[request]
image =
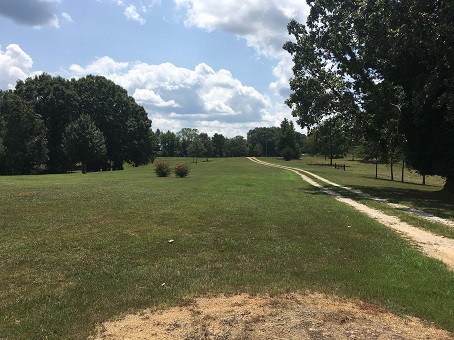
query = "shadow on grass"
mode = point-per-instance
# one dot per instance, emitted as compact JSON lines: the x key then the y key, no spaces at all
{"x":439,"y":203}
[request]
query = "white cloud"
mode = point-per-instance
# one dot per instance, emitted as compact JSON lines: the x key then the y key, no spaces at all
{"x":104,"y":66}
{"x":261,"y":23}
{"x":176,"y":97}
{"x":283,"y":72}
{"x":132,"y":14}
{"x":15,"y":64}
{"x":67,"y":17}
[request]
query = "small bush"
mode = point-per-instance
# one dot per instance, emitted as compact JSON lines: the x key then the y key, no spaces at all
{"x":181,"y":170}
{"x":162,"y":169}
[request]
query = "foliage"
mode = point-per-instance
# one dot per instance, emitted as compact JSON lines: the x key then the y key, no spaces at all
{"x":218,"y":141}
{"x":186,"y":136}
{"x":329,"y":139}
{"x":356,"y":59}
{"x":124,"y":124}
{"x":84,"y":142}
{"x":56,"y":102}
{"x":236,"y":147}
{"x":162,"y":169}
{"x":286,"y":141}
{"x":181,"y":170}
{"x":196,"y":148}
{"x":264,"y":136}
{"x":23,"y":143}
{"x":207,"y":145}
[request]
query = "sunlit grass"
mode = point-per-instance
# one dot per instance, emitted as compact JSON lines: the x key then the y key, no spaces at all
{"x":76,"y":250}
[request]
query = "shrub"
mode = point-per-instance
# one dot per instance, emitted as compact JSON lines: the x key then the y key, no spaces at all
{"x":181,"y":170}
{"x":162,"y":169}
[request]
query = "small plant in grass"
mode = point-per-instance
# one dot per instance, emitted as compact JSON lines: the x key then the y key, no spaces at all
{"x":162,"y":169}
{"x":181,"y":170}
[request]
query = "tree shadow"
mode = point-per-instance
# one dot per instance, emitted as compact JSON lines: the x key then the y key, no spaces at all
{"x":439,"y":203}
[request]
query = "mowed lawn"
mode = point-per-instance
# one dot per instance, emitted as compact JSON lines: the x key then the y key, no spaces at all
{"x":76,"y":250}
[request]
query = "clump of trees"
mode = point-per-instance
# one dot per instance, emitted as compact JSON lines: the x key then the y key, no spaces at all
{"x":385,"y":69}
{"x":50,"y":124}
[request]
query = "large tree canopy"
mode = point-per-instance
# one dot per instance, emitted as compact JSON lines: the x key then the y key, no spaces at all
{"x":23,"y":143}
{"x":364,"y":59}
{"x":123,"y":123}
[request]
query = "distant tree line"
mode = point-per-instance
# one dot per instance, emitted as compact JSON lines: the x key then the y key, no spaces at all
{"x":50,"y":124}
{"x":261,"y":141}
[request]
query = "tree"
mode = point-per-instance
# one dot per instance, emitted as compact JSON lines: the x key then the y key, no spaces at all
{"x":196,"y":149}
{"x":170,"y":144}
{"x":330,"y":139}
{"x":23,"y":143}
{"x":218,"y":142}
{"x":186,"y":136}
{"x":350,"y":47}
{"x":55,"y":101}
{"x":286,"y":141}
{"x":84,"y":142}
{"x":123,"y":122}
{"x":207,"y":145}
{"x":236,"y":147}
{"x":266,"y":137}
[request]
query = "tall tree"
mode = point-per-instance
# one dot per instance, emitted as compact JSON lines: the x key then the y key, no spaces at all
{"x":207,"y":144}
{"x":123,"y":122}
{"x":23,"y":143}
{"x":218,"y":141}
{"x":56,"y":102}
{"x":286,"y":141}
{"x":266,"y":137}
{"x":196,"y":148}
{"x":349,"y":47}
{"x":84,"y":142}
{"x":170,"y":144}
{"x":330,"y":140}
{"x":186,"y":136}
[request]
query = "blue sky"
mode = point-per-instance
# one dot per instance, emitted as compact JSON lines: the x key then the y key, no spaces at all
{"x":214,"y":65}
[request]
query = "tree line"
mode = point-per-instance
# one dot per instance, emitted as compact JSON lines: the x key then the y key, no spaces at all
{"x":261,"y":141}
{"x":54,"y":125}
{"x":50,"y":124}
{"x":380,"y":75}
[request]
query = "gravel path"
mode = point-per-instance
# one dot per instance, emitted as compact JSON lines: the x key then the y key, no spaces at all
{"x":433,"y":245}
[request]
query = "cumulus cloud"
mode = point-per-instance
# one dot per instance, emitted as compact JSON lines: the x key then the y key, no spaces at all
{"x":31,"y":12}
{"x":15,"y":64}
{"x":104,"y":66}
{"x":262,"y":24}
{"x":176,"y":97}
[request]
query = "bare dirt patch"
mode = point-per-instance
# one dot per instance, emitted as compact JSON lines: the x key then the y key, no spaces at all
{"x":290,"y":316}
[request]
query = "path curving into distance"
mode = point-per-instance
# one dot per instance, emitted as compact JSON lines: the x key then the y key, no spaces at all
{"x":433,"y":245}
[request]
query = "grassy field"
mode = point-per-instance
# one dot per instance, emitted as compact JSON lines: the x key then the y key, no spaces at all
{"x":76,"y":250}
{"x":361,"y":176}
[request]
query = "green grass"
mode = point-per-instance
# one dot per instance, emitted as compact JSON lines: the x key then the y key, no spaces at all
{"x":361,"y":176}
{"x":76,"y":250}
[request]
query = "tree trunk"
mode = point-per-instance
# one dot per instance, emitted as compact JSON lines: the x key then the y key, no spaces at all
{"x":376,"y":169}
{"x":403,"y":167}
{"x":423,"y":179}
{"x":392,"y":172}
{"x":449,"y":184}
{"x":84,"y":167}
